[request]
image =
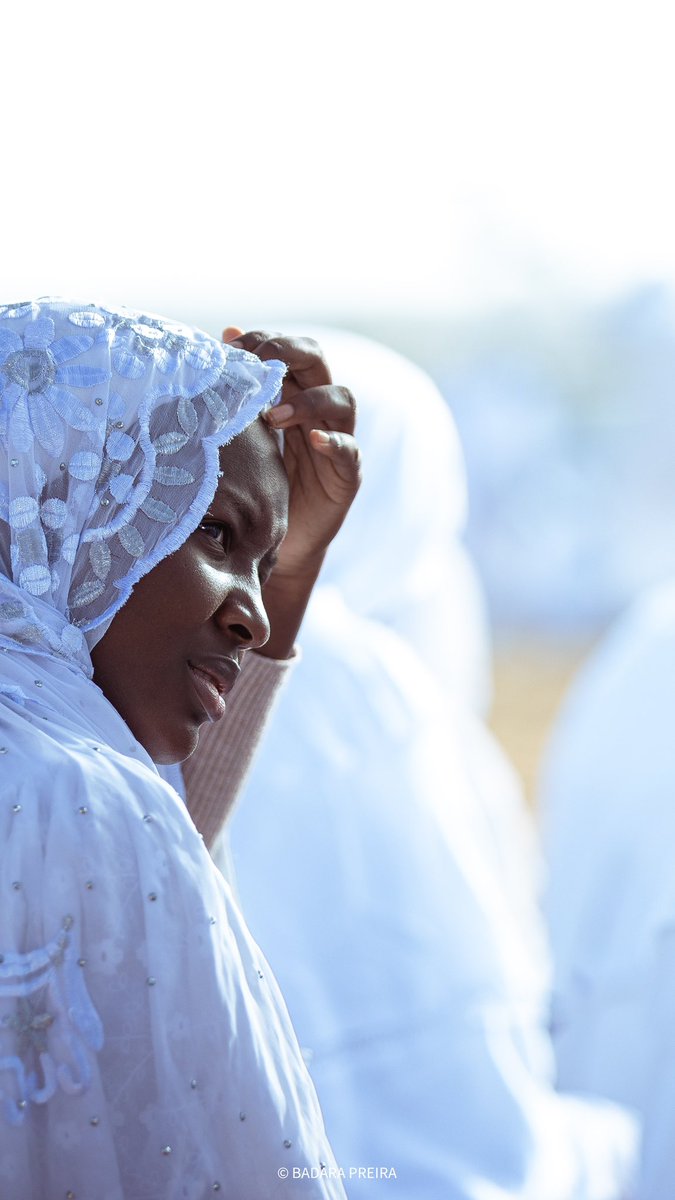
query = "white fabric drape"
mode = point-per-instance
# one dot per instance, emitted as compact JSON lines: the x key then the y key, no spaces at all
{"x":607,"y":796}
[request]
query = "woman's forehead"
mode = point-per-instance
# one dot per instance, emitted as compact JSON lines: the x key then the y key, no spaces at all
{"x":253,"y":476}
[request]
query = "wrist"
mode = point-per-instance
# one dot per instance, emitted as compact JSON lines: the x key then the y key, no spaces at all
{"x":285,"y":596}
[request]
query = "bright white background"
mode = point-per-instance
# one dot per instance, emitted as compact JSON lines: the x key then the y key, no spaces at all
{"x":351,"y":156}
{"x":485,"y":184}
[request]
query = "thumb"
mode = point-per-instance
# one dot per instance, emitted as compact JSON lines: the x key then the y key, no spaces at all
{"x":231,"y":333}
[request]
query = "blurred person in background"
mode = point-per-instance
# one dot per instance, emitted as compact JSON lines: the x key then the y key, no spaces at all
{"x":383,"y":856}
{"x":608,"y":801}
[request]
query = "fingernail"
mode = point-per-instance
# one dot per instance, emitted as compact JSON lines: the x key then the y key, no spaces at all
{"x":320,"y":435}
{"x":280,"y":414}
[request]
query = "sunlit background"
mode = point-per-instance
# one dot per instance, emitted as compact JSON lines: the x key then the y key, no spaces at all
{"x":486,"y":186}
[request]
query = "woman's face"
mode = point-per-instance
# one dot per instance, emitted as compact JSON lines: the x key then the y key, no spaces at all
{"x":173,"y":651}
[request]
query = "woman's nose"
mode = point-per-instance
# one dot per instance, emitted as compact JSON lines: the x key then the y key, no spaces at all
{"x":243,"y":614}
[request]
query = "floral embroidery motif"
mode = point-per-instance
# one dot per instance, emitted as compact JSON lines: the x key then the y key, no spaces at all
{"x":48,"y":1027}
{"x":37,"y":371}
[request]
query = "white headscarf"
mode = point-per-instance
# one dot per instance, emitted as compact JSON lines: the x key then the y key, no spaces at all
{"x":111,"y":422}
{"x":144,"y":1047}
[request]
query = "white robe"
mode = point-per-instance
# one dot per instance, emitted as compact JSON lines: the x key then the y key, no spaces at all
{"x":145,"y":1050}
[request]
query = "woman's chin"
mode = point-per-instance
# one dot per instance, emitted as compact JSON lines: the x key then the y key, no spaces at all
{"x":170,"y":745}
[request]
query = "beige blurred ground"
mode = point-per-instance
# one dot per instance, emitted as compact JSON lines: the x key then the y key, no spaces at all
{"x":531,"y":678}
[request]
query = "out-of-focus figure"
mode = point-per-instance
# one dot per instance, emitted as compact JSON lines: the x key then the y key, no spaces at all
{"x":383,"y":857}
{"x":608,"y":799}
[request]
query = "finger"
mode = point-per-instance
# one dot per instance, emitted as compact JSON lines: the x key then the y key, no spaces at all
{"x":331,"y":405}
{"x":303,"y":356}
{"x":344,"y":453}
{"x":231,"y":333}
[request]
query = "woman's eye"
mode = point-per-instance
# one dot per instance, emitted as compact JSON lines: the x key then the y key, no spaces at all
{"x":217,"y":532}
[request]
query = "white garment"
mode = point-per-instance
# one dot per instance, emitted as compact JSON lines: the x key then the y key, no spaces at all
{"x":145,"y":1050}
{"x":608,"y":799}
{"x":384,"y":862}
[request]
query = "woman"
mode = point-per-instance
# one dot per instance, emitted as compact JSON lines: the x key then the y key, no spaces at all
{"x":144,"y":1046}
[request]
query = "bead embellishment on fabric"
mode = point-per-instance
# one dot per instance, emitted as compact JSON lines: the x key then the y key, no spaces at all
{"x":48,"y":1025}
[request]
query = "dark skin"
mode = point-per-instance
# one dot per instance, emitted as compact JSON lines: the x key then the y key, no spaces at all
{"x":242,"y":580}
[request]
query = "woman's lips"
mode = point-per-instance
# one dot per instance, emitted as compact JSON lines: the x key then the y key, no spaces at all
{"x":209,"y":693}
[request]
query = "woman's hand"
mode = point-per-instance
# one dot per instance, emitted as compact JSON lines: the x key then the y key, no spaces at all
{"x":324,"y":472}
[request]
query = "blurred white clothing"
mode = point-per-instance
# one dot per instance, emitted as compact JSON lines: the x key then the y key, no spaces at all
{"x":384,"y":860}
{"x":609,"y":806}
